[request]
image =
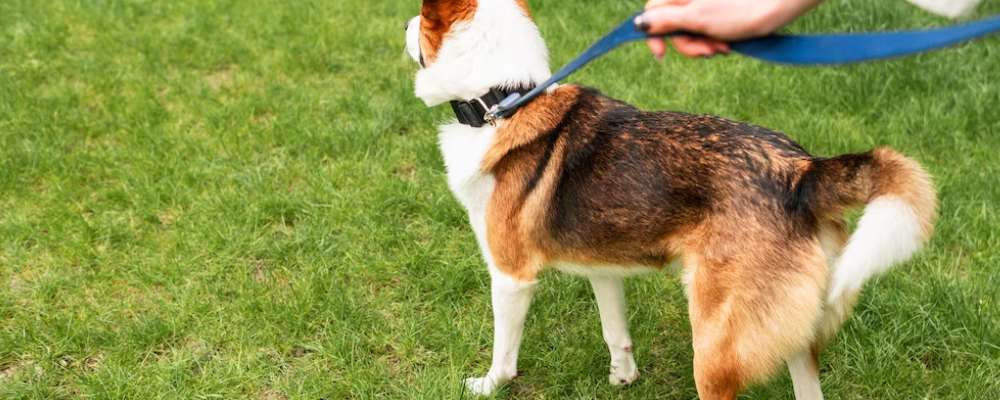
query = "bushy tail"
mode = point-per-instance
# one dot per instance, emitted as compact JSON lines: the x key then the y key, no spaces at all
{"x":900,"y":209}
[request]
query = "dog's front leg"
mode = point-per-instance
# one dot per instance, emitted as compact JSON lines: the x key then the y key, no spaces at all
{"x":511,"y":299}
{"x":610,"y":294}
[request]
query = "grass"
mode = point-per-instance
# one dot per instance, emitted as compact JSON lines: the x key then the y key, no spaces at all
{"x":243,"y":199}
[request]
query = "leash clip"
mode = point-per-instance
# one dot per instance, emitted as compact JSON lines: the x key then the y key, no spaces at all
{"x":490,"y":117}
{"x":504,"y":106}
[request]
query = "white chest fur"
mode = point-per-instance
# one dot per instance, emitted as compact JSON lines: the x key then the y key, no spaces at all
{"x":463,"y":148}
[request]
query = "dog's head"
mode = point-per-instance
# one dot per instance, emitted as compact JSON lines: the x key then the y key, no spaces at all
{"x":466,"y":47}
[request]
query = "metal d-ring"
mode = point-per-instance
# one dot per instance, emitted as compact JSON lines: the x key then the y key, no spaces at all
{"x":489,"y":117}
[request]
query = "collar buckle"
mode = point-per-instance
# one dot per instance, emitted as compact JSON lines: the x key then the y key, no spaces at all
{"x":489,"y":116}
{"x":485,"y":109}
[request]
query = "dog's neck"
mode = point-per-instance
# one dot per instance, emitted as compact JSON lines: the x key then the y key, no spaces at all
{"x":499,"y":47}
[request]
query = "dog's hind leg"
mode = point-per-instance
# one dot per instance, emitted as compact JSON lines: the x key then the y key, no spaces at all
{"x":610,"y":294}
{"x":804,"y":369}
{"x":511,"y":299}
{"x":753,"y":306}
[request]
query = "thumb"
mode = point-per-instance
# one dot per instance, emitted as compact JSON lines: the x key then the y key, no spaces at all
{"x":666,"y":18}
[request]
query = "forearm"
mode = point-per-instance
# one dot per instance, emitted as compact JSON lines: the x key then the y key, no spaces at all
{"x":734,"y":20}
{"x":783,"y":13}
{"x":724,"y":19}
{"x":719,"y":21}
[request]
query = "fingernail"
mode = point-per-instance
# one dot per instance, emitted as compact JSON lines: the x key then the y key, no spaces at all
{"x":641,"y":23}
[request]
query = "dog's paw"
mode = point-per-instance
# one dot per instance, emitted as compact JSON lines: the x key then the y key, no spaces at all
{"x":483,"y":386}
{"x":623,"y":374}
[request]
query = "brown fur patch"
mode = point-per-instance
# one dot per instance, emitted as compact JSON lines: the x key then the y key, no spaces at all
{"x":522,"y":150}
{"x":535,"y":119}
{"x":436,"y":20}
{"x":586,"y":179}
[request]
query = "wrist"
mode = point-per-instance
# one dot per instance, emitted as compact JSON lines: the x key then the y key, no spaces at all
{"x":779,"y":13}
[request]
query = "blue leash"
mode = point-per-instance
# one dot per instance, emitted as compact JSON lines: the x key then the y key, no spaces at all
{"x":784,"y":49}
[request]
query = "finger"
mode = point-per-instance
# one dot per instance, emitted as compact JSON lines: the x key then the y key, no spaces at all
{"x":665,"y":19}
{"x":716,"y":45}
{"x":708,"y":47}
{"x":693,"y":47}
{"x":720,"y":47}
{"x":657,"y":46}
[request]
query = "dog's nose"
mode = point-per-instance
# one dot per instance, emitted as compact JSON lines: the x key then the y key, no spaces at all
{"x":406,"y":26}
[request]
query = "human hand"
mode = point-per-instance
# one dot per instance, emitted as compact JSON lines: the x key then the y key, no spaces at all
{"x":718,"y":20}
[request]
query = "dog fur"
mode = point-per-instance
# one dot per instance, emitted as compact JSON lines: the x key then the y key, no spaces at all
{"x":587,"y":184}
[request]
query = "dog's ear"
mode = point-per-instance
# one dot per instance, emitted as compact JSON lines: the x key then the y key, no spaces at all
{"x":437,"y":18}
{"x":447,"y":12}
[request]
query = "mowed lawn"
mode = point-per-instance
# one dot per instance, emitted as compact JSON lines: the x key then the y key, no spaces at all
{"x":242,"y":199}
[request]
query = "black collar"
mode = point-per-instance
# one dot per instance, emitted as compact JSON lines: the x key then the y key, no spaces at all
{"x":473,"y":112}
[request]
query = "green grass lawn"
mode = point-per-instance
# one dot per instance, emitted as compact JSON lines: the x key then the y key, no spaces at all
{"x":243,"y":199}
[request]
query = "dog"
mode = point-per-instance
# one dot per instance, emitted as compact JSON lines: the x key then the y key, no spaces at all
{"x":589,"y":185}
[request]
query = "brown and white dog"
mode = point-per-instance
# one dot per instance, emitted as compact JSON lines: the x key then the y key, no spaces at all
{"x":589,"y":185}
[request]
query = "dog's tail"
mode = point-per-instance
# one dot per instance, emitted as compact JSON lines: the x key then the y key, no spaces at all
{"x":900,"y":209}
